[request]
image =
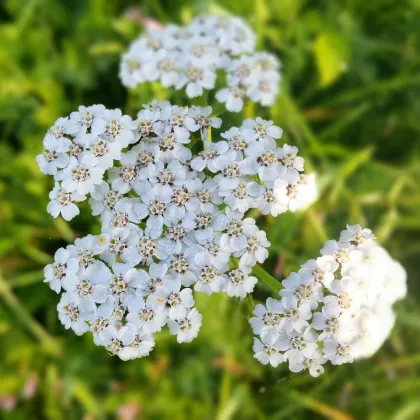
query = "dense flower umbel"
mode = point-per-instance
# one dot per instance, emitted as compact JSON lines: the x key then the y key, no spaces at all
{"x":189,"y":58}
{"x":336,"y":308}
{"x":244,"y":170}
{"x":172,"y":222}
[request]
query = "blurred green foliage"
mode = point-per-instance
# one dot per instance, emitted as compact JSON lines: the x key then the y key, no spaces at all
{"x":350,"y":101}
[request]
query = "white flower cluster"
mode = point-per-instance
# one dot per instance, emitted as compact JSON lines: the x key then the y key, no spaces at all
{"x":171,"y":221}
{"x":79,"y":149}
{"x":337,"y":307}
{"x":189,"y":57}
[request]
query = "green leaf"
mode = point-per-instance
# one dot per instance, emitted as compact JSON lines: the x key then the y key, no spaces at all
{"x":329,"y":57}
{"x":267,"y":279}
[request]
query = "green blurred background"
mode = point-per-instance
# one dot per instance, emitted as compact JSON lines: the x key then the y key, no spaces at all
{"x":350,"y":101}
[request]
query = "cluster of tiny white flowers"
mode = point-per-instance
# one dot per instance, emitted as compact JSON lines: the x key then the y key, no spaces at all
{"x":172,"y":222}
{"x":79,"y":149}
{"x":336,"y":308}
{"x":189,"y":57}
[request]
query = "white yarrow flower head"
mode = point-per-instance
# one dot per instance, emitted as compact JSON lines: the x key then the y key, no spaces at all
{"x":173,"y":222}
{"x":77,"y":151}
{"x":190,"y":58}
{"x":337,"y":308}
{"x":186,"y":328}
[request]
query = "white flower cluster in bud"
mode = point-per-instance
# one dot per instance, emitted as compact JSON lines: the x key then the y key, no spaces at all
{"x":190,"y":57}
{"x":336,"y":308}
{"x":172,"y":222}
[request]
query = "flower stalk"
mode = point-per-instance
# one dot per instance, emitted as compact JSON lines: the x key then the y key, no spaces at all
{"x":267,"y":279}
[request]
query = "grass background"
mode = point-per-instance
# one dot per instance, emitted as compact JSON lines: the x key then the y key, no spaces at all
{"x":350,"y":101}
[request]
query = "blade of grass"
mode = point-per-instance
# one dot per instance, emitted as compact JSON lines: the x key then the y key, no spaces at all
{"x":14,"y":304}
{"x":319,"y":407}
{"x":266,"y":278}
{"x":348,"y":169}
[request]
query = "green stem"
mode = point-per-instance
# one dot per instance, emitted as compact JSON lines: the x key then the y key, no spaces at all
{"x":15,"y":306}
{"x":266,"y":278}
